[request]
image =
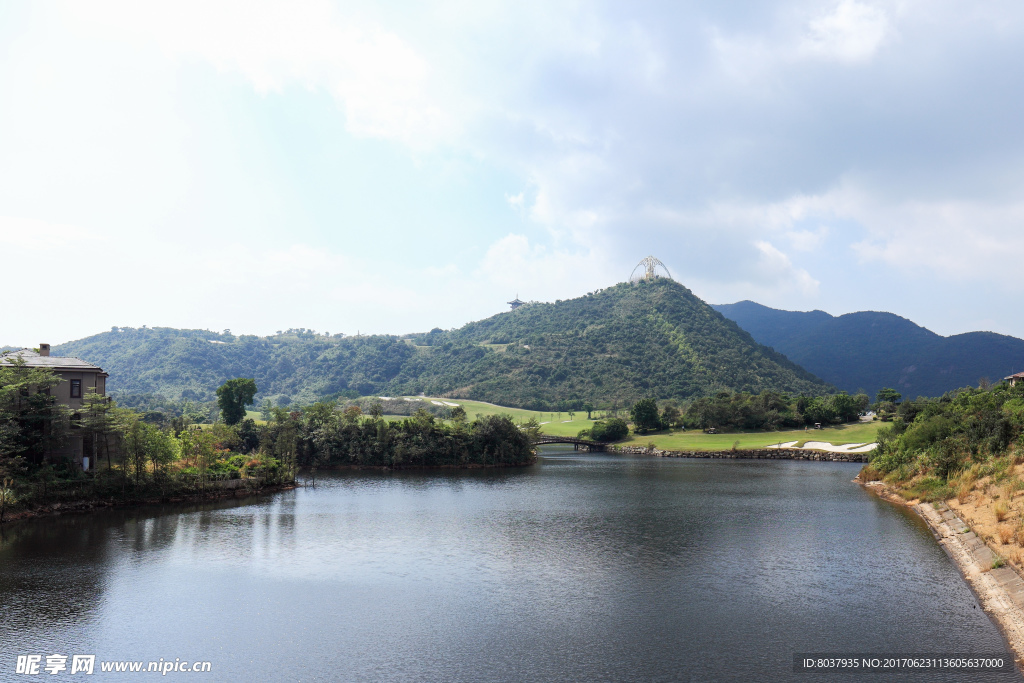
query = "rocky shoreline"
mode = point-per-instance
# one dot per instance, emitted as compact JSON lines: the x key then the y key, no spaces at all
{"x":751,"y":454}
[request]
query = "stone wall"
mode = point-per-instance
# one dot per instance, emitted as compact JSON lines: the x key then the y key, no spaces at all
{"x":753,"y":454}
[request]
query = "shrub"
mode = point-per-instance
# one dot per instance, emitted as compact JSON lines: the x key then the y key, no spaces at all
{"x":930,"y":490}
{"x":1005,"y":535}
{"x":892,"y":460}
{"x":869,"y":473}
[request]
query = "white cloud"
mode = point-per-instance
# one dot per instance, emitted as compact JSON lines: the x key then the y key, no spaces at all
{"x":962,"y":240}
{"x":852,"y":32}
{"x":516,"y":201}
{"x":735,"y":143}
{"x":775,"y":265}
{"x":807,"y":240}
{"x":535,"y":271}
{"x":39,"y":236}
{"x":384,"y":86}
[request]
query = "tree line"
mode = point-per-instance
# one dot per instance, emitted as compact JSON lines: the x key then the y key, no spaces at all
{"x":734,"y":411}
{"x":133,"y":456}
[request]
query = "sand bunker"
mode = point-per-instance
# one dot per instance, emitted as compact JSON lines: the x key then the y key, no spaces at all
{"x":825,"y":446}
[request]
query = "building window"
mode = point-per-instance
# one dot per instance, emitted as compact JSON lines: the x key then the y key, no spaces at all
{"x":76,"y":388}
{"x":76,"y":421}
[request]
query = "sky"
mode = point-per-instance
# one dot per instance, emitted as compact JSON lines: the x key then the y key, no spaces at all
{"x":391,"y":167}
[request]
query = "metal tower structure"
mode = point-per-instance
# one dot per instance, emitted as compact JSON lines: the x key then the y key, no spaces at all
{"x":650,"y":267}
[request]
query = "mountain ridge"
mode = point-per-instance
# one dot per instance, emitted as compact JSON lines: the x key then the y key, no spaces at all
{"x":868,"y":350}
{"x":619,"y":344}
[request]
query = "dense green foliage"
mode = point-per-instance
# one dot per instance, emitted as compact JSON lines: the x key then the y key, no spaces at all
{"x":340,"y":438}
{"x":869,"y":350}
{"x":940,"y":437}
{"x":772,"y":410}
{"x":612,"y":429}
{"x":232,"y":398}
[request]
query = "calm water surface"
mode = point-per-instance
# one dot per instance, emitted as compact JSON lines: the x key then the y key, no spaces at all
{"x":584,"y":567}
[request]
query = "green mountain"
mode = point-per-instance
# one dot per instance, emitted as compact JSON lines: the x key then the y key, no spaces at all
{"x":870,"y":350}
{"x":653,"y":338}
{"x":617,"y":345}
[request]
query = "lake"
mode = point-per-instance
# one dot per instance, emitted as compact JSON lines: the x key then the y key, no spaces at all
{"x":584,"y":567}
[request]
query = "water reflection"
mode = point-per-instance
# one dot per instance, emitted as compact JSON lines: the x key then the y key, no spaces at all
{"x":583,"y":567}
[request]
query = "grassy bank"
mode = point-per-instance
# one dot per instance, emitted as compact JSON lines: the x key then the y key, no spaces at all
{"x":560,"y":424}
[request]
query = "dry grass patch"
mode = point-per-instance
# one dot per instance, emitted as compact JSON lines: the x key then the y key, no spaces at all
{"x":1014,"y":485}
{"x":963,"y":493}
{"x":1005,"y":534}
{"x":1001,"y":509}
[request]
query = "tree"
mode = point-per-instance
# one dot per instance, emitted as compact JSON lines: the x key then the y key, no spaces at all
{"x":589,"y":407}
{"x":671,"y":416}
{"x":612,"y":429}
{"x":32,"y":422}
{"x":458,"y":415}
{"x":532,"y":429}
{"x":350,"y":415}
{"x":198,"y":449}
{"x":99,"y":424}
{"x":845,"y":407}
{"x":7,"y":497}
{"x":820,"y":410}
{"x":233,"y":396}
{"x":888,"y":395}
{"x":644,"y":414}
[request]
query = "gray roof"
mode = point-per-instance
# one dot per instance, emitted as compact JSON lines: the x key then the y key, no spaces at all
{"x":34,"y":360}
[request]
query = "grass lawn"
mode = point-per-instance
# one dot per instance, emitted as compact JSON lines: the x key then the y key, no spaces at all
{"x":696,"y":440}
{"x":559,"y":424}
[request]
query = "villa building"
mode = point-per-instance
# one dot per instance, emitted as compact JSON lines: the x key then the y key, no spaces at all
{"x":1013,"y":379}
{"x":78,"y":378}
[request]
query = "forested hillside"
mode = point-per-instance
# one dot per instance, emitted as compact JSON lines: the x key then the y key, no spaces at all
{"x":614,"y":346}
{"x":870,"y":350}
{"x":620,"y":344}
{"x":297,"y":366}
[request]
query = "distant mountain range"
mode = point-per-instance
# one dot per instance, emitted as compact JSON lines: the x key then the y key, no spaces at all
{"x":870,"y":350}
{"x":615,"y":345}
{"x":630,"y":341}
